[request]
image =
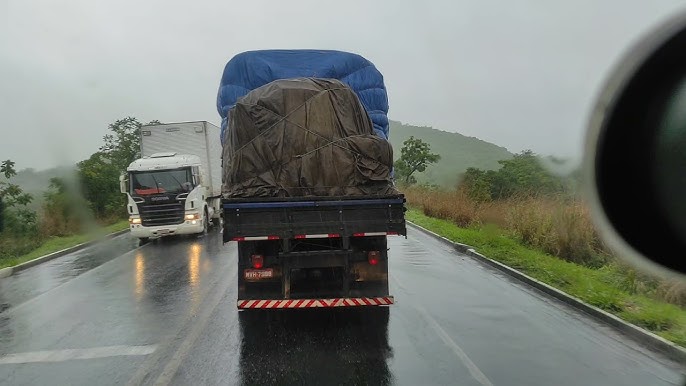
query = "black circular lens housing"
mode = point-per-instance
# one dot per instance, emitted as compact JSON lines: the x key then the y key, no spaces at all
{"x":629,"y":161}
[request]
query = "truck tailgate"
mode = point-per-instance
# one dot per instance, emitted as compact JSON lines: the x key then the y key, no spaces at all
{"x":297,"y":217}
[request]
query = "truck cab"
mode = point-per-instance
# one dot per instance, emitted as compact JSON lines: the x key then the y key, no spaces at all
{"x":166,"y":196}
{"x":174,"y":188}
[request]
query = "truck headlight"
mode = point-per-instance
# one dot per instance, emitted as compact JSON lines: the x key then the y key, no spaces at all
{"x":134,"y":220}
{"x":193,"y":216}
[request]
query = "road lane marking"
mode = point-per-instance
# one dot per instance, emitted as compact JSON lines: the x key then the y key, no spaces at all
{"x":473,"y":369}
{"x":74,"y":354}
{"x":194,"y":324}
{"x":199,"y":326}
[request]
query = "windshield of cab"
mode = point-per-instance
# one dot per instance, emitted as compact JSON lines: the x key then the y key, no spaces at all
{"x":173,"y":181}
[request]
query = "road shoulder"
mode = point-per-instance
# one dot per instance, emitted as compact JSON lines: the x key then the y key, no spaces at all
{"x":642,"y":336}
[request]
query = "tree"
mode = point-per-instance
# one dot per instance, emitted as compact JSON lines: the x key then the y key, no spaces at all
{"x":99,"y":174}
{"x":523,"y":174}
{"x":13,"y":201}
{"x":99,"y":177}
{"x":122,"y":146}
{"x":415,"y":156}
{"x":477,"y":183}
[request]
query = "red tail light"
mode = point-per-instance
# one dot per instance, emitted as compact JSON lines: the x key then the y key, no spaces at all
{"x":373,"y":257}
{"x":257,"y":261}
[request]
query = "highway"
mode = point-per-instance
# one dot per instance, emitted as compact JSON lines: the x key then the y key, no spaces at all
{"x":165,"y":313}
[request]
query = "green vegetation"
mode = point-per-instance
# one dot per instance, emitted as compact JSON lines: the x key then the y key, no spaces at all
{"x":522,"y":175}
{"x":19,"y":229}
{"x":609,"y":287}
{"x":76,"y":200}
{"x":415,"y":156}
{"x":58,"y":243}
{"x":458,"y":152}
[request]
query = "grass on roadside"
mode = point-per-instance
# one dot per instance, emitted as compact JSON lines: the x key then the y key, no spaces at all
{"x":55,"y":244}
{"x":604,"y":288}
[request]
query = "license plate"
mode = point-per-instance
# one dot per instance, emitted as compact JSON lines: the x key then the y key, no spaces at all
{"x":258,"y":274}
{"x":163,"y":232}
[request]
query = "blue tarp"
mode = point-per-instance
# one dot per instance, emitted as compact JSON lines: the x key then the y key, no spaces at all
{"x":252,"y":69}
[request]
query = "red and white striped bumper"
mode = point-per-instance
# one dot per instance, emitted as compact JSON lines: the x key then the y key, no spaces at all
{"x":315,"y":303}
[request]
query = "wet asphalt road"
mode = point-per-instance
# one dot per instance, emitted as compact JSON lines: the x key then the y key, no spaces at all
{"x":165,"y":313}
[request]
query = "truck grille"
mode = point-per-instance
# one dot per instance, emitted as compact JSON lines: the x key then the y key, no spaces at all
{"x":161,"y":214}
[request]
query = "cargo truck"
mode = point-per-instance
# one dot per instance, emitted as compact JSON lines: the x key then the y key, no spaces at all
{"x":175,"y":187}
{"x":308,"y":195}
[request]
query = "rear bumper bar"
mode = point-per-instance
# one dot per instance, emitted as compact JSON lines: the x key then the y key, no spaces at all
{"x":315,"y":303}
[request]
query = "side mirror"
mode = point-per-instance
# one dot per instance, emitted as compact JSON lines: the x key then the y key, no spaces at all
{"x":635,"y":159}
{"x":123,"y":182}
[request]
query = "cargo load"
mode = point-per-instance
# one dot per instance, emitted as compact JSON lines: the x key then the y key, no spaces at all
{"x":304,"y":137}
{"x":252,"y":69}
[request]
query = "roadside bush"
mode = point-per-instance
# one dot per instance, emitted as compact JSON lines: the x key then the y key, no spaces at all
{"x":65,"y":212}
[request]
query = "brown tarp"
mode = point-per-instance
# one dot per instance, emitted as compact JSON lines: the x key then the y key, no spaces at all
{"x":304,"y":137}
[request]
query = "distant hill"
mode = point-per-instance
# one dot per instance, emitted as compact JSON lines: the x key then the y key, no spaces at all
{"x":36,"y":182}
{"x":458,"y":152}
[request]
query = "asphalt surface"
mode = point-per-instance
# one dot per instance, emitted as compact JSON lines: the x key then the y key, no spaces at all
{"x":165,"y":313}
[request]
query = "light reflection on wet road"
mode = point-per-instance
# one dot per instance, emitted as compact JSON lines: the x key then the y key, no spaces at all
{"x":165,"y":313}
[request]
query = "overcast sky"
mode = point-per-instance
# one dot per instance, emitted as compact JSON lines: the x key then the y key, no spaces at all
{"x":521,"y":74}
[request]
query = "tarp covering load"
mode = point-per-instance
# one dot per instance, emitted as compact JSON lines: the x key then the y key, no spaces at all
{"x":304,"y":137}
{"x":252,"y":69}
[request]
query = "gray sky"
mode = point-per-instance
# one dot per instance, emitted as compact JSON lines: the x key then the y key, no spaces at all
{"x":521,"y":74}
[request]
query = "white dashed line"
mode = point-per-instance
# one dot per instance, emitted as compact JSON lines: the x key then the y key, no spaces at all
{"x":74,"y":354}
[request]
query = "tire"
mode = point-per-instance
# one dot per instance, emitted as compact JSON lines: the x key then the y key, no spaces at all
{"x":205,"y":223}
{"x":143,"y":240}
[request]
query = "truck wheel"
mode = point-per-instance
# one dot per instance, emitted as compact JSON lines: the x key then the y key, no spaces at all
{"x":205,"y":223}
{"x":143,"y":240}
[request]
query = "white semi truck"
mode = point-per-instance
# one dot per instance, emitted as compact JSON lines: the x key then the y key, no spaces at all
{"x":175,"y":187}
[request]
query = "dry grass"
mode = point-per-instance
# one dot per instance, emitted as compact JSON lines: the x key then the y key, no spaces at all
{"x":54,"y":225}
{"x":672,"y":291}
{"x":561,"y":227}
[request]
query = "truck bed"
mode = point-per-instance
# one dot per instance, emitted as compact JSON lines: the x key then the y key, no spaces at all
{"x":297,"y":217}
